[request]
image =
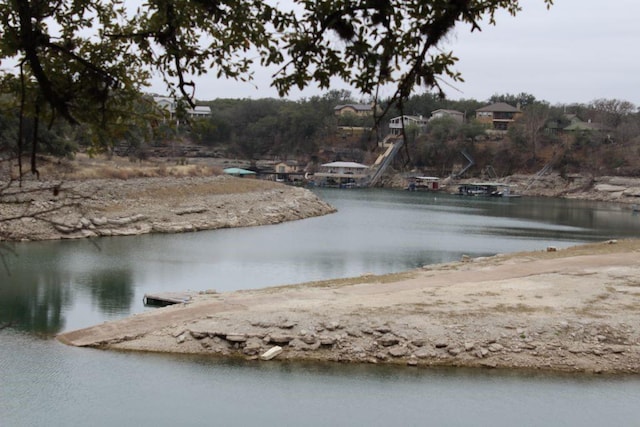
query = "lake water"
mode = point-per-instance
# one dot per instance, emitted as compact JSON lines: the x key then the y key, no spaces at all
{"x":50,"y":287}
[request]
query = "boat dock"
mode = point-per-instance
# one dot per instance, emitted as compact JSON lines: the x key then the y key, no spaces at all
{"x":166,"y":298}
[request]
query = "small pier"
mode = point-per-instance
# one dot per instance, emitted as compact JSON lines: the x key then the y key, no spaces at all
{"x":164,"y":299}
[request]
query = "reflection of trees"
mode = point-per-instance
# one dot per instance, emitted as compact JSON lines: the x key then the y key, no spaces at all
{"x":33,"y":301}
{"x":112,"y":290}
{"x":38,"y":285}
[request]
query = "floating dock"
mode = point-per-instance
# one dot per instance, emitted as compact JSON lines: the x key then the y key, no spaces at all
{"x":164,"y":299}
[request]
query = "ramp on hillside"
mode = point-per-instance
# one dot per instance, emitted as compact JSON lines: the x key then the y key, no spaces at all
{"x":383,"y":161}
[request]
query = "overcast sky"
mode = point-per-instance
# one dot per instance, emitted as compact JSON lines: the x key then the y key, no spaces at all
{"x":577,"y":51}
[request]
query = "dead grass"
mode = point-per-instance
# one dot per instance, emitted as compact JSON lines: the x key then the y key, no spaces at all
{"x":600,"y":248}
{"x":337,"y":283}
{"x":84,"y":167}
{"x":518,"y":308}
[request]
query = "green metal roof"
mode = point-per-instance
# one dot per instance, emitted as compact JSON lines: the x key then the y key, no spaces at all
{"x":238,"y":171}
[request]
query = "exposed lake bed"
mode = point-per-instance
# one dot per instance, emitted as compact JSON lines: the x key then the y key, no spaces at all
{"x":568,"y":310}
{"x":111,"y":207}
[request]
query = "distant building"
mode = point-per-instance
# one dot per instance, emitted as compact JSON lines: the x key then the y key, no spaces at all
{"x":357,"y":109}
{"x":342,"y":174}
{"x":458,"y":116}
{"x":170,"y":105}
{"x":288,"y":171}
{"x":499,"y":115}
{"x":395,"y":124}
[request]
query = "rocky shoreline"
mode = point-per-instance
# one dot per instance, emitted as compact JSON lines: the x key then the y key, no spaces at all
{"x":573,"y":310}
{"x":111,"y":207}
{"x":614,"y":189}
{"x":114,"y":207}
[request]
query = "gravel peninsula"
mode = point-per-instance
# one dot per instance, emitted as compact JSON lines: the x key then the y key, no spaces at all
{"x":571,"y":310}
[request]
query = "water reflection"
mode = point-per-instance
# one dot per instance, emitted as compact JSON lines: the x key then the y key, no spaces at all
{"x":33,"y":300}
{"x":41,"y":283}
{"x":111,"y":290}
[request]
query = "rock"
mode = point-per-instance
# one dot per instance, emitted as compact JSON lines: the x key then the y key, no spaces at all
{"x":298,"y":344}
{"x":279,"y":338}
{"x":412,"y":361}
{"x":235,"y":337}
{"x":332,"y":326}
{"x":199,"y":334}
{"x":287,"y":324}
{"x":495,"y":347}
{"x":454,"y":351}
{"x":181,"y":339}
{"x":327,"y":340}
{"x":381,"y":355}
{"x":441,"y":344}
{"x":309,"y":339}
{"x":425,"y":353}
{"x":191,"y":210}
{"x":468,"y":346}
{"x":384,"y":329}
{"x":252,"y":346}
{"x":608,"y":188}
{"x":100,"y":221}
{"x":398,"y":351}
{"x":419,"y":342}
{"x":387,"y":340}
{"x":271,"y":353}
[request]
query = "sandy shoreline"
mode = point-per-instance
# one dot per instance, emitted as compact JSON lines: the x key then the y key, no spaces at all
{"x":574,"y":310}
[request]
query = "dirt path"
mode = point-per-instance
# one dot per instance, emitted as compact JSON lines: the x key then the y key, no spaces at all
{"x":572,"y":310}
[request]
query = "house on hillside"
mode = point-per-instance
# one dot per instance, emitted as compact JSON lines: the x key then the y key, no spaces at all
{"x":395,"y":124}
{"x":458,"y":116}
{"x":170,"y":106}
{"x":288,"y":171}
{"x":499,"y":115}
{"x":356,"y":109}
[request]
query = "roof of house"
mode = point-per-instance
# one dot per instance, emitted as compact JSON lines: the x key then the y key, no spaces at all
{"x":202,"y":109}
{"x":499,"y":107}
{"x":445,"y":111}
{"x":580,"y":125}
{"x":357,"y":107}
{"x":345,"y":165}
{"x":408,"y":117}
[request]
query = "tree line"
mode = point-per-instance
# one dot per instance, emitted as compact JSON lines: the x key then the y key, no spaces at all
{"x":285,"y":129}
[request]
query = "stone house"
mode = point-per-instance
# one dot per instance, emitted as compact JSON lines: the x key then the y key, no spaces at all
{"x":499,"y":116}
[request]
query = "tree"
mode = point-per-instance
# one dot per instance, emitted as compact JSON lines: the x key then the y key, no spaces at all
{"x":533,"y":120}
{"x":611,"y":112}
{"x":86,"y":59}
{"x":521,"y":100}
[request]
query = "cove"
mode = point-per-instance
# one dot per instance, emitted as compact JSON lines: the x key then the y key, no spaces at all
{"x":49,"y":287}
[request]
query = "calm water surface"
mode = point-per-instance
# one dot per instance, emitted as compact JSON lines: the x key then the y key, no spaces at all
{"x":51,"y":287}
